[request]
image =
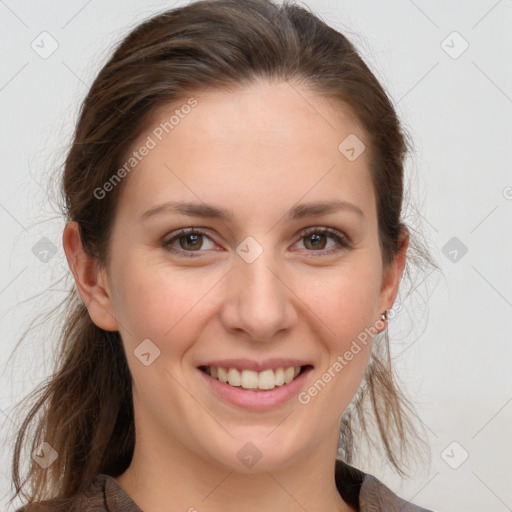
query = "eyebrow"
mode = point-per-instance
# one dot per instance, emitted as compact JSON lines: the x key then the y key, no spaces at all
{"x":313,"y":209}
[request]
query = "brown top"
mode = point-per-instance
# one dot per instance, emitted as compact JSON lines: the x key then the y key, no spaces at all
{"x":360,"y":490}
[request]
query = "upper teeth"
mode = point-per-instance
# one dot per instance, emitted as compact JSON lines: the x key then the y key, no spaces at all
{"x":249,"y":379}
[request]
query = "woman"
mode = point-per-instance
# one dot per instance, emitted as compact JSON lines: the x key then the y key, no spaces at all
{"x":233,"y":196}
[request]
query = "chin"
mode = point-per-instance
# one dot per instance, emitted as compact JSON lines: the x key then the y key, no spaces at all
{"x":256,"y":453}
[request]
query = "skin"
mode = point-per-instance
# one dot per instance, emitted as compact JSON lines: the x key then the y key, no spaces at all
{"x":257,"y":152}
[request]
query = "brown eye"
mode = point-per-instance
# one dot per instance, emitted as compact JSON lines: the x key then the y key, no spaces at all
{"x":187,"y":241}
{"x":191,"y":241}
{"x":315,"y":241}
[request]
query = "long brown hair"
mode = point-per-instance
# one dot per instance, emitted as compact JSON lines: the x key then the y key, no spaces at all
{"x":85,"y":411}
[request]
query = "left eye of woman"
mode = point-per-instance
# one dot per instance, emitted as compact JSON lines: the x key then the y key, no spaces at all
{"x":191,"y":240}
{"x":315,"y":238}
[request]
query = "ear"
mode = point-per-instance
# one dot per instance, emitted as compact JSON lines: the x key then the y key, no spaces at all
{"x":393,"y":273}
{"x":91,"y":279}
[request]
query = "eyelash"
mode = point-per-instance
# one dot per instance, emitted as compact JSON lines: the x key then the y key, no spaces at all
{"x":340,"y":238}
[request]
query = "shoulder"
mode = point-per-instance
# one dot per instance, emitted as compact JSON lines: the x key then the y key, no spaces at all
{"x":91,"y":499}
{"x":375,"y":496}
{"x":368,"y":494}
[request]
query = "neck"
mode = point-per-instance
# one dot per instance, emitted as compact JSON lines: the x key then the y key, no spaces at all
{"x":157,"y":480}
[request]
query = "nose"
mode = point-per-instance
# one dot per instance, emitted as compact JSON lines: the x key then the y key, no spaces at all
{"x":259,"y":302}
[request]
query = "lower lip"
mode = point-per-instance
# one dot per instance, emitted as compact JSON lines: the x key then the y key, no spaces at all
{"x":256,"y":400}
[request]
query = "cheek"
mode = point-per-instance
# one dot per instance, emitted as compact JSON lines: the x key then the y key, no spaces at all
{"x":345,"y":305}
{"x":153,"y":301}
{"x":344,"y":299}
{"x":345,"y":308}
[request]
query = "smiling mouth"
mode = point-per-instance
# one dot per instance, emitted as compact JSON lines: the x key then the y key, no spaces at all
{"x":265,"y":380}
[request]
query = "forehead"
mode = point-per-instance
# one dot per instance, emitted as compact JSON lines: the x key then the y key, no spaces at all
{"x":266,"y":145}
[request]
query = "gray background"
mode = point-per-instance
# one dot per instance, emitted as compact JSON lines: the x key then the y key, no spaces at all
{"x":452,"y":338}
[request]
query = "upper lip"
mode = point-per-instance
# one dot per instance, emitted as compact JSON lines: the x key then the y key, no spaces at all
{"x":258,"y":366}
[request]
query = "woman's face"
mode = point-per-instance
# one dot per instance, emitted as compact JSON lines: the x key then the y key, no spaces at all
{"x":253,"y":290}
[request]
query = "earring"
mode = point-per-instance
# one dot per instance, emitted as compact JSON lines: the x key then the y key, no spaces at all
{"x":384,"y":318}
